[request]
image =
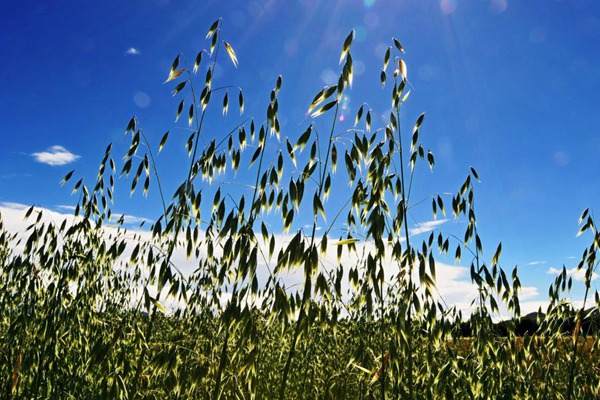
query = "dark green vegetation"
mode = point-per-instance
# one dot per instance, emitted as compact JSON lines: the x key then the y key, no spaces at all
{"x":81,"y":301}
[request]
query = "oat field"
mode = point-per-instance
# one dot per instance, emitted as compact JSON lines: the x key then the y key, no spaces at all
{"x":91,"y":309}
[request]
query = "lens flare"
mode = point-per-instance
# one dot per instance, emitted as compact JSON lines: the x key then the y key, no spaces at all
{"x":369,"y":3}
{"x":141,"y":99}
{"x":329,"y":77}
{"x":360,"y":33}
{"x":371,"y":20}
{"x":498,"y":6}
{"x":344,"y":107}
{"x":448,"y":6}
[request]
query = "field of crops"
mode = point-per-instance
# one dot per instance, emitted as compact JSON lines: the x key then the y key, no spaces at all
{"x":91,"y":310}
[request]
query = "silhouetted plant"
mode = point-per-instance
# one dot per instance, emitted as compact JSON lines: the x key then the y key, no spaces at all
{"x":82,"y":300}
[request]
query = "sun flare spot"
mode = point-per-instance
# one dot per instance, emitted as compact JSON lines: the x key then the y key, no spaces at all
{"x":498,"y":6}
{"x":448,"y":6}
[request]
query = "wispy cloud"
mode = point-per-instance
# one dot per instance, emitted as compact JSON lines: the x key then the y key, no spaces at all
{"x":126,"y":219}
{"x":55,"y":155}
{"x":528,"y":292}
{"x":130,"y":219}
{"x":13,"y":206}
{"x":578,"y":275}
{"x":536,"y":263}
{"x":425,"y":227}
{"x":65,"y":207}
{"x":132,"y":51}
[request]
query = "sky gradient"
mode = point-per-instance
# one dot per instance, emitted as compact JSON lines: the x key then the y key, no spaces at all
{"x":508,"y":87}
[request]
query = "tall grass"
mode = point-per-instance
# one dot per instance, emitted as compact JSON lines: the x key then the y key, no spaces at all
{"x":82,"y":301}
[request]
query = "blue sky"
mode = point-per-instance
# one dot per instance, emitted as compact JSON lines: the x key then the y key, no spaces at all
{"x":509,"y":87}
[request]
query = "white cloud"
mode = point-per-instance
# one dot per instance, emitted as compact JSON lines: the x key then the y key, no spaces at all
{"x":130,"y":219}
{"x":55,"y":155}
{"x":536,"y":263}
{"x":578,"y":275}
{"x":65,"y":207}
{"x":427,"y":226}
{"x":13,"y":206}
{"x":127,"y":219}
{"x":528,"y":292}
{"x":132,"y":51}
{"x":454,"y":285}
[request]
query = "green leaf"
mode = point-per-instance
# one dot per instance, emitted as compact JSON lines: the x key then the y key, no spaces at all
{"x":154,"y":301}
{"x":419,"y":122}
{"x":386,"y":58}
{"x":358,"y":115}
{"x":324,"y":109}
{"x":288,"y":221}
{"x":213,"y":29}
{"x":178,"y":88}
{"x":318,"y":206}
{"x":197,"y":62}
{"x":398,"y":45}
{"x":348,"y":71}
{"x":432,"y":265}
{"x":66,"y":178}
{"x":213,"y":43}
{"x":441,"y":205}
{"x":290,"y":151}
{"x":241,"y":102}
{"x":204,"y":97}
{"x":301,"y":143}
{"x":208,"y":79}
{"x":225,"y":103}
{"x":163,"y":141}
{"x":179,"y":110}
{"x":316,"y":100}
{"x":402,"y":69}
{"x":191,"y":115}
{"x":146,"y":186}
{"x":173,"y":75}
{"x":231,"y":53}
{"x":131,"y":125}
{"x":346,"y":46}
{"x":345,"y":242}
{"x":430,"y":159}
{"x":327,"y":187}
{"x":405,"y":96}
{"x":496,"y":257}
{"x":28,"y":213}
{"x":334,"y":156}
{"x":321,"y":96}
{"x":77,"y":185}
{"x":583,"y":215}
{"x":255,"y":155}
